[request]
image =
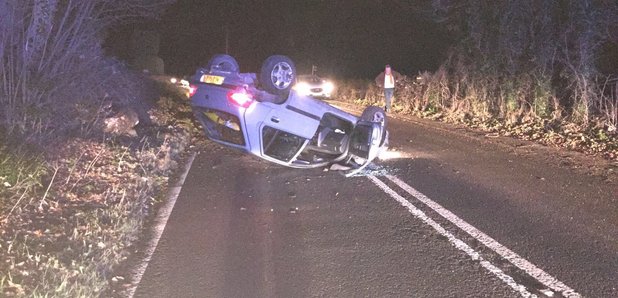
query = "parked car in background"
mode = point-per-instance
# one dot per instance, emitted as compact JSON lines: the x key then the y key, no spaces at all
{"x":313,"y":85}
{"x":261,"y":114}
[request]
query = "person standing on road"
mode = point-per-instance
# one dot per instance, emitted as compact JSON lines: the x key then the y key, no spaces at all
{"x":387,"y":80}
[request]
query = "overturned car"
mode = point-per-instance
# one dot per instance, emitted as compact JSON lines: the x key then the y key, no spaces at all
{"x":261,"y":114}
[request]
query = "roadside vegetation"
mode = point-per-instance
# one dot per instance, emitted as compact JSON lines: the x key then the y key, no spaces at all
{"x":539,"y":70}
{"x":74,"y":194}
{"x":75,"y":191}
{"x":70,"y":214}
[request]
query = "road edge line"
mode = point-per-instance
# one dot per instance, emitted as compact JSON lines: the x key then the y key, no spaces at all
{"x":159,"y":223}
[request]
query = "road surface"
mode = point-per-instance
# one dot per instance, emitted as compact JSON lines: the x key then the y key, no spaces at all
{"x":451,"y":213}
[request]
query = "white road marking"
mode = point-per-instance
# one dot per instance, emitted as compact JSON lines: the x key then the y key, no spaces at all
{"x":521,"y":263}
{"x":454,"y":240}
{"x":157,"y":229}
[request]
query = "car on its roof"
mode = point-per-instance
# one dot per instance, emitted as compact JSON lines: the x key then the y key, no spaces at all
{"x":260,"y":113}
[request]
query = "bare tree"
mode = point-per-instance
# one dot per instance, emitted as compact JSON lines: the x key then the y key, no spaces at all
{"x":52,"y":63}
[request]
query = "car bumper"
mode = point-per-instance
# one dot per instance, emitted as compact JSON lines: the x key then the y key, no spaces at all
{"x":320,"y":94}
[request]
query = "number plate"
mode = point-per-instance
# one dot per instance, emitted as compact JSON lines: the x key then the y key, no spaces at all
{"x":208,"y":79}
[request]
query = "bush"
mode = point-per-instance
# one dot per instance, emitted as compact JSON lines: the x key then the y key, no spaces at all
{"x":462,"y":93}
{"x":57,"y":80}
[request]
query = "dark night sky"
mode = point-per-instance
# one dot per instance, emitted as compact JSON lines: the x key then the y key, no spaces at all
{"x":344,"y":38}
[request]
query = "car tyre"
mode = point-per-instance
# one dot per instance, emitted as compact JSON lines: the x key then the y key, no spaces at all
{"x":374,"y":114}
{"x":223,"y":62}
{"x":277,"y":75}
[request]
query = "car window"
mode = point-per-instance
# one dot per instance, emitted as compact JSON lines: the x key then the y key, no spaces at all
{"x":279,"y":144}
{"x":223,"y":126}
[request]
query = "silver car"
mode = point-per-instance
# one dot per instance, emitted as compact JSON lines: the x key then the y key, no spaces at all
{"x":261,"y":114}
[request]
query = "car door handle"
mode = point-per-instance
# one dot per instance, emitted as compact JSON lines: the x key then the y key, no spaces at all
{"x":274,"y":119}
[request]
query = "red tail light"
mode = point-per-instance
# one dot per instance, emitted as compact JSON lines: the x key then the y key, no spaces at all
{"x":192,"y":90}
{"x":240,"y":98}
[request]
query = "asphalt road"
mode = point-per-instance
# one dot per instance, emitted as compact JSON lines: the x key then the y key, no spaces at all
{"x":452,"y":214}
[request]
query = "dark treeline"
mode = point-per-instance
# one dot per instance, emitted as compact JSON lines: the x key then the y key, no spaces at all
{"x":531,"y":58}
{"x":510,"y":59}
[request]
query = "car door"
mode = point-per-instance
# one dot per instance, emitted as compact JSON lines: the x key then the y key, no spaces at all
{"x":285,"y":131}
{"x":366,"y":140}
{"x":292,"y":119}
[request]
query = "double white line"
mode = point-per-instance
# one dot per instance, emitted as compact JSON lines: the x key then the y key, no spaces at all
{"x":537,"y":273}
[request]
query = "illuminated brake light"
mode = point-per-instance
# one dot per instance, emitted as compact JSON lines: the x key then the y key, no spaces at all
{"x":192,"y":90}
{"x":240,"y":98}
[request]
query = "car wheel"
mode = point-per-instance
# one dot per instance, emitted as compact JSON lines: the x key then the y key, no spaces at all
{"x":374,"y":114}
{"x":277,"y":75}
{"x":223,"y":62}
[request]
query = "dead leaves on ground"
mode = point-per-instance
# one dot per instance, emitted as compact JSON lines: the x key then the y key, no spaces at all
{"x":65,"y":237}
{"x":594,"y":140}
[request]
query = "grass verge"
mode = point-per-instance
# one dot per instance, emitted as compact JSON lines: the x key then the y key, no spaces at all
{"x":68,"y":215}
{"x":594,"y":138}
